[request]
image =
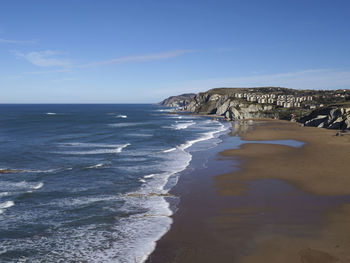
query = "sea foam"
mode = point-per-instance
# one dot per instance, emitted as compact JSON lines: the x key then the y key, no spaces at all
{"x":7,"y":204}
{"x":107,"y":150}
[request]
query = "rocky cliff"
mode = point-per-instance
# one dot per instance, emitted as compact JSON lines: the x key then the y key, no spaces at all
{"x":221,"y":102}
{"x":333,"y":117}
{"x":178,"y":101}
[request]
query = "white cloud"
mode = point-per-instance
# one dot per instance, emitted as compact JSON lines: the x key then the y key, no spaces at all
{"x":304,"y":79}
{"x":46,"y":58}
{"x":49,"y":58}
{"x":140,"y":58}
{"x":10,"y":41}
{"x":47,"y":72}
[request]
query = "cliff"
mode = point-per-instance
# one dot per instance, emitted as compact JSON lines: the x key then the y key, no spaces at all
{"x":223,"y":102}
{"x":332,"y":117}
{"x":178,"y":101}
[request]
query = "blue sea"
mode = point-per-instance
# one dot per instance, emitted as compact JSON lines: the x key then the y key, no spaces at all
{"x":89,"y":183}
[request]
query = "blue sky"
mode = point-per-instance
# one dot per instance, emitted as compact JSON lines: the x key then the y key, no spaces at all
{"x":81,"y":51}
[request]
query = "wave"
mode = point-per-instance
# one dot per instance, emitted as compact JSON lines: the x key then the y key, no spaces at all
{"x":157,"y":218}
{"x":139,"y":135}
{"x":7,"y":204}
{"x":121,"y":116}
{"x":82,"y":201}
{"x":51,"y":113}
{"x":159,"y":212}
{"x":38,"y":186}
{"x":99,"y":165}
{"x":182,"y":125}
{"x":204,"y":137}
{"x":175,"y":117}
{"x":108,"y":150}
{"x":164,"y":110}
{"x":127,"y":124}
{"x":86,"y":144}
{"x":8,"y":170}
{"x":42,"y":171}
{"x":4,"y":194}
{"x":169,"y":150}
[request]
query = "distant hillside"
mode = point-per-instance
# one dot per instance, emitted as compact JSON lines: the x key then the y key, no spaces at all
{"x":178,"y":101}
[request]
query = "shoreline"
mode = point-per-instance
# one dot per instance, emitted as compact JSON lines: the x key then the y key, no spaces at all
{"x":242,"y":215}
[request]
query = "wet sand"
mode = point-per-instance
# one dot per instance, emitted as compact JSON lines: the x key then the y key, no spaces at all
{"x":279,"y":204}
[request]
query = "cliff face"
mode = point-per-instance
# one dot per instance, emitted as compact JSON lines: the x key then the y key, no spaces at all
{"x":227,"y":106}
{"x":329,"y":117}
{"x":178,"y":101}
{"x":221,"y":102}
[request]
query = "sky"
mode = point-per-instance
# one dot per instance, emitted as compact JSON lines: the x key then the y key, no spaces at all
{"x":116,"y":51}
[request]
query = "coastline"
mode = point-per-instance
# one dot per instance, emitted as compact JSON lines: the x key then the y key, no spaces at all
{"x":277,"y":197}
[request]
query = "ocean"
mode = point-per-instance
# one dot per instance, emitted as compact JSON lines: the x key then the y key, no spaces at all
{"x":89,"y":183}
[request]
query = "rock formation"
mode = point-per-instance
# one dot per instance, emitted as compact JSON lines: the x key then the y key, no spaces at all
{"x":328,"y":117}
{"x":222,"y":102}
{"x":178,"y":101}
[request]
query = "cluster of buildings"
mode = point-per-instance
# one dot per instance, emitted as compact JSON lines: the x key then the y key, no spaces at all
{"x":286,"y":101}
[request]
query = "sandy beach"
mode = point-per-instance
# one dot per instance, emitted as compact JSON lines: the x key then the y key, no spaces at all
{"x":265,"y":202}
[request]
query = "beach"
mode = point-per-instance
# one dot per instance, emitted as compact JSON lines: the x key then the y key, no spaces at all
{"x":264,"y":201}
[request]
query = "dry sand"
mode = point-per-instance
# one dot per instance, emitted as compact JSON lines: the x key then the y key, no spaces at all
{"x":322,"y":166}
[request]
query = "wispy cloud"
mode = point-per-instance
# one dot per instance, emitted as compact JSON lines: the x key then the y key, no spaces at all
{"x":46,"y":58}
{"x":42,"y":72}
{"x":50,"y":58}
{"x":140,"y":58}
{"x":303,"y":79}
{"x":11,"y":41}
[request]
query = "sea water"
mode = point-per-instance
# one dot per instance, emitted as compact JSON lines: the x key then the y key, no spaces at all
{"x":89,"y":183}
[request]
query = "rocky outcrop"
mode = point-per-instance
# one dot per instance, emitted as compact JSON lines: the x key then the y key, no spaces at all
{"x":227,"y":106}
{"x":329,"y":117}
{"x":178,"y":101}
{"x":221,"y":102}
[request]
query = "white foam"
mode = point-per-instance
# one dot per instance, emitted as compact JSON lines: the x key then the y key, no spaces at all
{"x":182,"y":125}
{"x":38,"y":186}
{"x":88,"y":145}
{"x":7,"y":204}
{"x":142,"y":180}
{"x":99,"y":165}
{"x":8,"y":185}
{"x":4,"y":194}
{"x":157,"y":218}
{"x":127,"y":124}
{"x":108,"y":150}
{"x":81,"y":201}
{"x":204,"y":137}
{"x":169,"y":150}
{"x":50,"y":113}
{"x":175,"y":117}
{"x":121,"y":116}
{"x":19,"y":187}
{"x":41,"y":171}
{"x":139,"y":134}
{"x":164,"y":110}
